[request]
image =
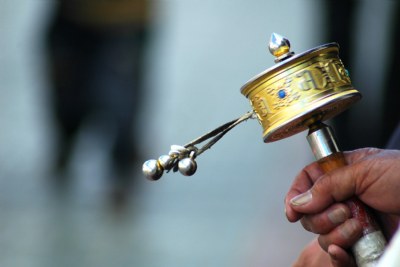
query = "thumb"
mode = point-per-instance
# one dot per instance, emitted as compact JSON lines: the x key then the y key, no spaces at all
{"x":335,"y":186}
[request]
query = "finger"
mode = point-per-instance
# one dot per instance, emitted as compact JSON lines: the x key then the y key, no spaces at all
{"x":303,"y":182}
{"x":335,"y":186}
{"x":339,"y":257}
{"x":344,"y":236}
{"x":358,"y":154}
{"x":329,"y":219}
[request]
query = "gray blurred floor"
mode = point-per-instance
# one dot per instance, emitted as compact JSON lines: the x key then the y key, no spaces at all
{"x":229,"y":214}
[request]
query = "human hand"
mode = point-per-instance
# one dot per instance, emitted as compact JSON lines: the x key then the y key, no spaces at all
{"x":373,"y":175}
{"x":314,"y":256}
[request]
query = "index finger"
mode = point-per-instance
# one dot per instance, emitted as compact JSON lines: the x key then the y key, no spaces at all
{"x":359,"y":154}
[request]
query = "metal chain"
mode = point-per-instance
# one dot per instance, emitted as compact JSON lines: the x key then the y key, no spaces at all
{"x":218,"y":133}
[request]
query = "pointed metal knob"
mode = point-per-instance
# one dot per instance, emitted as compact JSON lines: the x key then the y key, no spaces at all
{"x":279,"y":46}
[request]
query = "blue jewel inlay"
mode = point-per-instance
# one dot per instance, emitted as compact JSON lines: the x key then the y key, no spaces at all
{"x":347,"y":72}
{"x":281,"y":93}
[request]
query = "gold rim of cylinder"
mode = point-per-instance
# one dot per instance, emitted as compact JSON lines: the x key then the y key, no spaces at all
{"x":313,"y":84}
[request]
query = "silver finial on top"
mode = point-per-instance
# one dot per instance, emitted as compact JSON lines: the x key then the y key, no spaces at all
{"x":279,"y":46}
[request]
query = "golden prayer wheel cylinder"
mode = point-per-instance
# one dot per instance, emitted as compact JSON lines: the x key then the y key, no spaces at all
{"x":299,"y":90}
{"x":299,"y":93}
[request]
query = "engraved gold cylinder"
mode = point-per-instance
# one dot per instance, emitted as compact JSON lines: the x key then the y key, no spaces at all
{"x":300,"y":90}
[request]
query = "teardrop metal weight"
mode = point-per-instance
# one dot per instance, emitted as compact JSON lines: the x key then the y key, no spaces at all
{"x":152,"y":170}
{"x":187,"y":166}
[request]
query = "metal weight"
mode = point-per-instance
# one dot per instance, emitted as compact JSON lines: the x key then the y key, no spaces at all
{"x":182,"y":158}
{"x":187,"y":166}
{"x":152,"y":170}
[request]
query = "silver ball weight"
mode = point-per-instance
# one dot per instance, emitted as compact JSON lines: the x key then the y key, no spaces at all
{"x":166,"y":162}
{"x":152,"y":170}
{"x":187,"y":166}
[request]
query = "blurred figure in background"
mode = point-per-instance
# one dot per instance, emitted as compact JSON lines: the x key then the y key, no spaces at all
{"x":342,"y":17}
{"x":95,"y":51}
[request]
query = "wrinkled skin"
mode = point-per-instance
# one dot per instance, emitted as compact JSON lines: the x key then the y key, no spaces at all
{"x":314,"y":199}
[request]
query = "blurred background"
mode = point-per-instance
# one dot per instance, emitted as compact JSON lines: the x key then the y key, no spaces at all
{"x":91,"y":89}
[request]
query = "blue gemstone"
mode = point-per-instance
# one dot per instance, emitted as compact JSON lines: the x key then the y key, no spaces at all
{"x":281,"y":93}
{"x":347,"y":72}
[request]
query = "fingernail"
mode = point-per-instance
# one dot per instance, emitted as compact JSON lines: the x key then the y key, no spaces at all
{"x":349,"y":228}
{"x":337,"y":216}
{"x":301,"y":199}
{"x":332,"y":254}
